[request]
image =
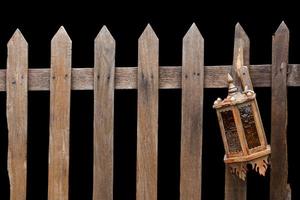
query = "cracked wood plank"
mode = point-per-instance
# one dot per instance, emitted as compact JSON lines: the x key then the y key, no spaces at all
{"x":17,"y":102}
{"x":279,"y":188}
{"x":236,"y":188}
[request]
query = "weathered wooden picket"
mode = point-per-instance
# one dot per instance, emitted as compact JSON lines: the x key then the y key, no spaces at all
{"x":192,"y":77}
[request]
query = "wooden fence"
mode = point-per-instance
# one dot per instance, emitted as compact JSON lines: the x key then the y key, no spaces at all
{"x":192,"y":77}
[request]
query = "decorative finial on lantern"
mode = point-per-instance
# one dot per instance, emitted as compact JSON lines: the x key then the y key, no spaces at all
{"x":231,"y":87}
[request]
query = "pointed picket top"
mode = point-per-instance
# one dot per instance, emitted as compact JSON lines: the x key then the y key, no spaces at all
{"x":238,"y":26}
{"x":193,"y":32}
{"x":241,"y":48}
{"x":61,"y":35}
{"x":148,"y":33}
{"x":240,"y":33}
{"x":104,"y":37}
{"x":239,"y":29}
{"x":17,"y":39}
{"x":282,"y":28}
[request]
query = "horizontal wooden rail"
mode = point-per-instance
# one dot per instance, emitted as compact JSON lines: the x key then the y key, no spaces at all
{"x":170,"y":77}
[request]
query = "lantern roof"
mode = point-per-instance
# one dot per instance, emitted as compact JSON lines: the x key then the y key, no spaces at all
{"x":234,"y":96}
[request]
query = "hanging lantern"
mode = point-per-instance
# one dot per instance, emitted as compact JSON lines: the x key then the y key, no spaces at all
{"x":242,"y":131}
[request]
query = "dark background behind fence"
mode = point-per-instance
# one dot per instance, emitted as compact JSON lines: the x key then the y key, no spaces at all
{"x":126,"y":23}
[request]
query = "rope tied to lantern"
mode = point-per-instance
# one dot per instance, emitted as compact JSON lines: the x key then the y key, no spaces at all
{"x":242,"y":130}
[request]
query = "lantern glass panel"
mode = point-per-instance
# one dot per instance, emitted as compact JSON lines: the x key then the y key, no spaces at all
{"x":231,"y":134}
{"x":247,"y":118}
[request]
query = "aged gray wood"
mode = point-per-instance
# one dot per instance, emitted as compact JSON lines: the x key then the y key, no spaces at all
{"x":17,"y":74}
{"x":235,"y":188}
{"x":170,"y":77}
{"x":192,"y":115}
{"x":240,"y":54}
{"x":104,"y":80}
{"x":245,"y":78}
{"x":279,"y":188}
{"x":147,"y":118}
{"x":60,"y":89}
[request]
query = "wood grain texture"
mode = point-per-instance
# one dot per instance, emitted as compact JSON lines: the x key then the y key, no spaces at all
{"x":104,"y":79}
{"x":147,"y":118}
{"x":192,"y":115}
{"x":241,"y":53}
{"x":169,"y":77}
{"x":279,"y":189}
{"x":235,"y":188}
{"x":246,"y":78}
{"x":293,"y":76}
{"x":60,"y":89}
{"x":17,"y":85}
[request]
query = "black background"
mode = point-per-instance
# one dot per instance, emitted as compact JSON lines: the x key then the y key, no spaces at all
{"x":126,"y":21}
